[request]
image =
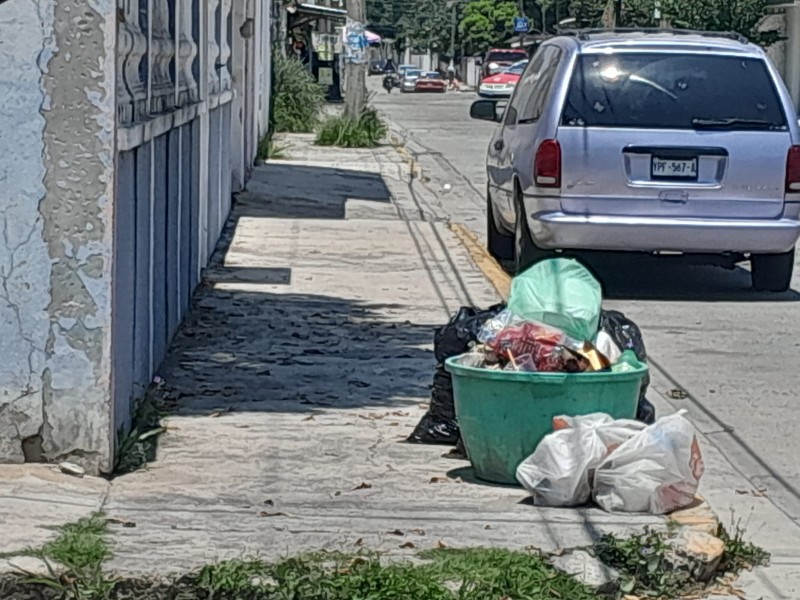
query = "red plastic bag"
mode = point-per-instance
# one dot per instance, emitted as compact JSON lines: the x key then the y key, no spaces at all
{"x":541,"y":342}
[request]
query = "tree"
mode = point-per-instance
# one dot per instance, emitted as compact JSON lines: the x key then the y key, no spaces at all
{"x":544,"y":6}
{"x":426,"y":24}
{"x":487,"y":23}
{"x":740,"y":16}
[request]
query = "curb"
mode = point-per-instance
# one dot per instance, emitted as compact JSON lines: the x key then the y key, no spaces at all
{"x":698,"y":517}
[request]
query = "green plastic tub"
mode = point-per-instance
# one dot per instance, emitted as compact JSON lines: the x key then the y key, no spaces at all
{"x":504,"y":415}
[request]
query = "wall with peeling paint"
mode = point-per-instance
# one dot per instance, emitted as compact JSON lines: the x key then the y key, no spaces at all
{"x":56,"y":179}
{"x":112,"y":198}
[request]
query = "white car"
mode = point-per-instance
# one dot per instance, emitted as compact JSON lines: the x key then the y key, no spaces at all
{"x":409,"y":83}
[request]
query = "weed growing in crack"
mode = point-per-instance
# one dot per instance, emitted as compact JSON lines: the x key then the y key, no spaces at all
{"x":137,"y":446}
{"x":740,"y":555}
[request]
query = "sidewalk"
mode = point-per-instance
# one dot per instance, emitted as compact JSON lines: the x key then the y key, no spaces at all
{"x":302,"y":367}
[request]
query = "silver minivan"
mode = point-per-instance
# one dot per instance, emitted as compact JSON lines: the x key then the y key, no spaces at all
{"x":640,"y":141}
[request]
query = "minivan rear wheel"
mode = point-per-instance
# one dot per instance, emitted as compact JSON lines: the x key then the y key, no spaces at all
{"x":500,"y":245}
{"x":772,"y":272}
{"x":526,"y":252}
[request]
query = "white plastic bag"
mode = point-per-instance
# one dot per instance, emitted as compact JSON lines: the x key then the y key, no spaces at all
{"x":656,"y":471}
{"x":559,"y":472}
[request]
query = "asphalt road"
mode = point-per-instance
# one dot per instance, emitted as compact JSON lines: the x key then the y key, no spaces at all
{"x":735,"y":353}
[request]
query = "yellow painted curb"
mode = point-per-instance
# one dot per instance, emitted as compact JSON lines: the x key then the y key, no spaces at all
{"x":699,"y":517}
{"x":491,"y":269}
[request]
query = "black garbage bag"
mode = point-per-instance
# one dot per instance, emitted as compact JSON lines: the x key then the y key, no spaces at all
{"x":454,"y":338}
{"x":628,"y":336}
{"x":439,"y":425}
{"x":624,"y":332}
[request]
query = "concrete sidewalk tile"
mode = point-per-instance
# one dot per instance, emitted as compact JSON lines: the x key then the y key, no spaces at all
{"x":35,"y":499}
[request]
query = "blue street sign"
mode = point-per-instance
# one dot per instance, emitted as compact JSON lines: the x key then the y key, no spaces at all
{"x":521,"y":24}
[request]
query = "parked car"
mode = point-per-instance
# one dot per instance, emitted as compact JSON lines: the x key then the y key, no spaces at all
{"x":431,"y":81}
{"x":409,"y":82}
{"x":502,"y":85}
{"x":376,"y":67}
{"x":496,"y":59}
{"x":640,"y":142}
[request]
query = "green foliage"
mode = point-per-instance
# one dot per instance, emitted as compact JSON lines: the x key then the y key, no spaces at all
{"x":81,"y":548}
{"x":137,"y":446}
{"x":641,"y":560}
{"x":81,"y":544}
{"x":236,"y":576}
{"x":496,"y":573}
{"x":487,"y":23}
{"x":268,"y":148}
{"x":739,"y":554}
{"x":646,"y":572}
{"x":297,"y":97}
{"x":364,"y":132}
{"x":472,"y":574}
{"x":740,"y":16}
{"x":426,"y":24}
{"x":588,"y":13}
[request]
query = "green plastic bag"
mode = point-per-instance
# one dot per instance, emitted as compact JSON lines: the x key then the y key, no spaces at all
{"x":559,"y":292}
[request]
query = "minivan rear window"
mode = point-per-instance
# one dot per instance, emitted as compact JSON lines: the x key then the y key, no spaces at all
{"x":673,"y":91}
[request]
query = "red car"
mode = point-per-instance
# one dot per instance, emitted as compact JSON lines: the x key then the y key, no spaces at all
{"x":431,"y":81}
{"x":502,"y":85}
{"x":498,"y":59}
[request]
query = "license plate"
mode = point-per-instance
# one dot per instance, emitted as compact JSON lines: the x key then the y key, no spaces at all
{"x":671,"y":168}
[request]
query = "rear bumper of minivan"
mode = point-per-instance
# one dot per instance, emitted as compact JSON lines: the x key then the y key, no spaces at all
{"x":557,"y":230}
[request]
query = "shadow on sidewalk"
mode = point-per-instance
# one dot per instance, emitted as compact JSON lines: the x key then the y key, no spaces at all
{"x":246,"y":346}
{"x":287,"y":191}
{"x":273,"y":352}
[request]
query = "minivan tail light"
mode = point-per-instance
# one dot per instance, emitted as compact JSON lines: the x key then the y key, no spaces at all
{"x":793,"y":171}
{"x":547,"y":166}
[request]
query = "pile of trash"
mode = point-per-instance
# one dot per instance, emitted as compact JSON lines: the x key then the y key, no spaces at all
{"x":541,"y":329}
{"x":622,"y":465}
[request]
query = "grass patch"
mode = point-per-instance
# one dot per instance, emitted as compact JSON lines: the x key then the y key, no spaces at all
{"x":297,"y":97}
{"x":79,"y":545}
{"x":474,"y":574}
{"x":365,"y":132}
{"x":74,"y":561}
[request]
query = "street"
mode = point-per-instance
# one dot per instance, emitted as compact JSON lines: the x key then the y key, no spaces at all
{"x":729,"y":350}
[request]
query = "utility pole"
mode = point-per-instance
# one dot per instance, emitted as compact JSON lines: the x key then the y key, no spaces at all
{"x":355,"y":97}
{"x":453,"y":31}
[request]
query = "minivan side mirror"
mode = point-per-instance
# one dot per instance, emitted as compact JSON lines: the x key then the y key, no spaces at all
{"x":485,"y":110}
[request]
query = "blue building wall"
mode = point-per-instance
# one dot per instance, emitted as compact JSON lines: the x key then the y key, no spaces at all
{"x":165,"y":230}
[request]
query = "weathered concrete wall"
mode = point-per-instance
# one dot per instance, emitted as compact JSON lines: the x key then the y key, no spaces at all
{"x":56,"y":169}
{"x":24,"y":260}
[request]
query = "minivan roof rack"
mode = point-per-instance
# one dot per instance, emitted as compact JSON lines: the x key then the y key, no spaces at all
{"x":584,"y":34}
